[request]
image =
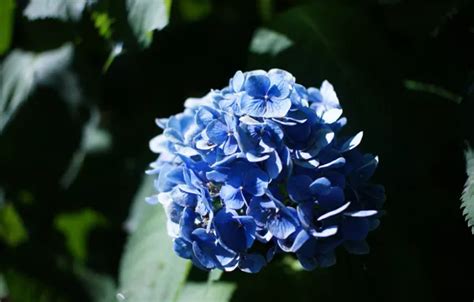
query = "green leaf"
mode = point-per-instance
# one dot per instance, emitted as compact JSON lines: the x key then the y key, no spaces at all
{"x":467,"y":197}
{"x":22,"y":71}
{"x":23,"y":288}
{"x":201,"y":292}
{"x":93,"y":140}
{"x":433,"y":89}
{"x":103,"y":23}
{"x":194,"y":10}
{"x":3,"y":287}
{"x":76,"y":228}
{"x":150,"y":270}
{"x":214,"y":275}
{"x":101,"y":288}
{"x":63,"y":10}
{"x":267,"y":41}
{"x":12,"y":231}
{"x":7,"y":13}
{"x":145,"y":16}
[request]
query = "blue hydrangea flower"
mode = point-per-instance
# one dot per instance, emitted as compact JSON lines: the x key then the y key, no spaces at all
{"x":261,"y":162}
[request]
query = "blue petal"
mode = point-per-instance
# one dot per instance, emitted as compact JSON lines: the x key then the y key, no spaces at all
{"x":183,"y":248}
{"x":352,"y":142}
{"x":237,"y":233}
{"x":277,"y":108}
{"x":251,"y":263}
{"x":257,"y":85}
{"x":255,"y":181}
{"x":217,"y":132}
{"x":232,"y":197}
{"x":281,"y":226}
{"x":334,"y":199}
{"x":321,"y":185}
{"x":237,"y":82}
{"x":294,"y":242}
{"x":355,"y":228}
{"x":273,"y":165}
{"x":230,"y":145}
{"x":298,"y":188}
{"x":186,"y":223}
{"x":253,"y":106}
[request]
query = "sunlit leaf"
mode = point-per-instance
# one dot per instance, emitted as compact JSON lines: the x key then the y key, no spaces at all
{"x":101,"y":288}
{"x":7,"y":9}
{"x":215,"y":275}
{"x":12,"y":231}
{"x":150,"y":271}
{"x":266,"y":41}
{"x":145,"y":16}
{"x":103,"y":23}
{"x":467,"y":197}
{"x":22,"y":71}
{"x":139,"y":206}
{"x":63,"y":10}
{"x":76,"y":228}
{"x":201,"y":292}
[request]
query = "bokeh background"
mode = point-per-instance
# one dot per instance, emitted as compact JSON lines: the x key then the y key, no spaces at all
{"x":82,"y":81}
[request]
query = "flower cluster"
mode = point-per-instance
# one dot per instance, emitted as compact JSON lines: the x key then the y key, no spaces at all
{"x":256,"y":169}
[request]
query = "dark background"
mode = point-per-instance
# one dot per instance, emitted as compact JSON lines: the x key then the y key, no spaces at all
{"x":423,"y":250}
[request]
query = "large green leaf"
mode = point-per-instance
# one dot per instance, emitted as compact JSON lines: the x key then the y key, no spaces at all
{"x":101,"y":288}
{"x":150,"y":271}
{"x":22,"y":71}
{"x":58,"y":9}
{"x":145,"y":16}
{"x":201,"y":292}
{"x":467,"y":197}
{"x":7,"y":9}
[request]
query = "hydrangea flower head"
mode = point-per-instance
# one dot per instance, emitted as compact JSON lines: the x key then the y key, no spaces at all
{"x":259,"y":168}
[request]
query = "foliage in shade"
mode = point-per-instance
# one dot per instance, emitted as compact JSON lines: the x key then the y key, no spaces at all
{"x":262,"y":161}
{"x":76,"y":227}
{"x":467,"y":197}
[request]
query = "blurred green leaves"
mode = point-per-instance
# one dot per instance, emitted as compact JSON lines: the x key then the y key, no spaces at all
{"x":12,"y":231}
{"x":467,"y":197}
{"x":76,"y":227}
{"x":194,"y":10}
{"x":22,"y":71}
{"x":7,"y":9}
{"x":145,"y":16}
{"x":266,"y":41}
{"x":24,"y":288}
{"x":433,"y":89}
{"x":63,"y":10}
{"x":103,"y":23}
